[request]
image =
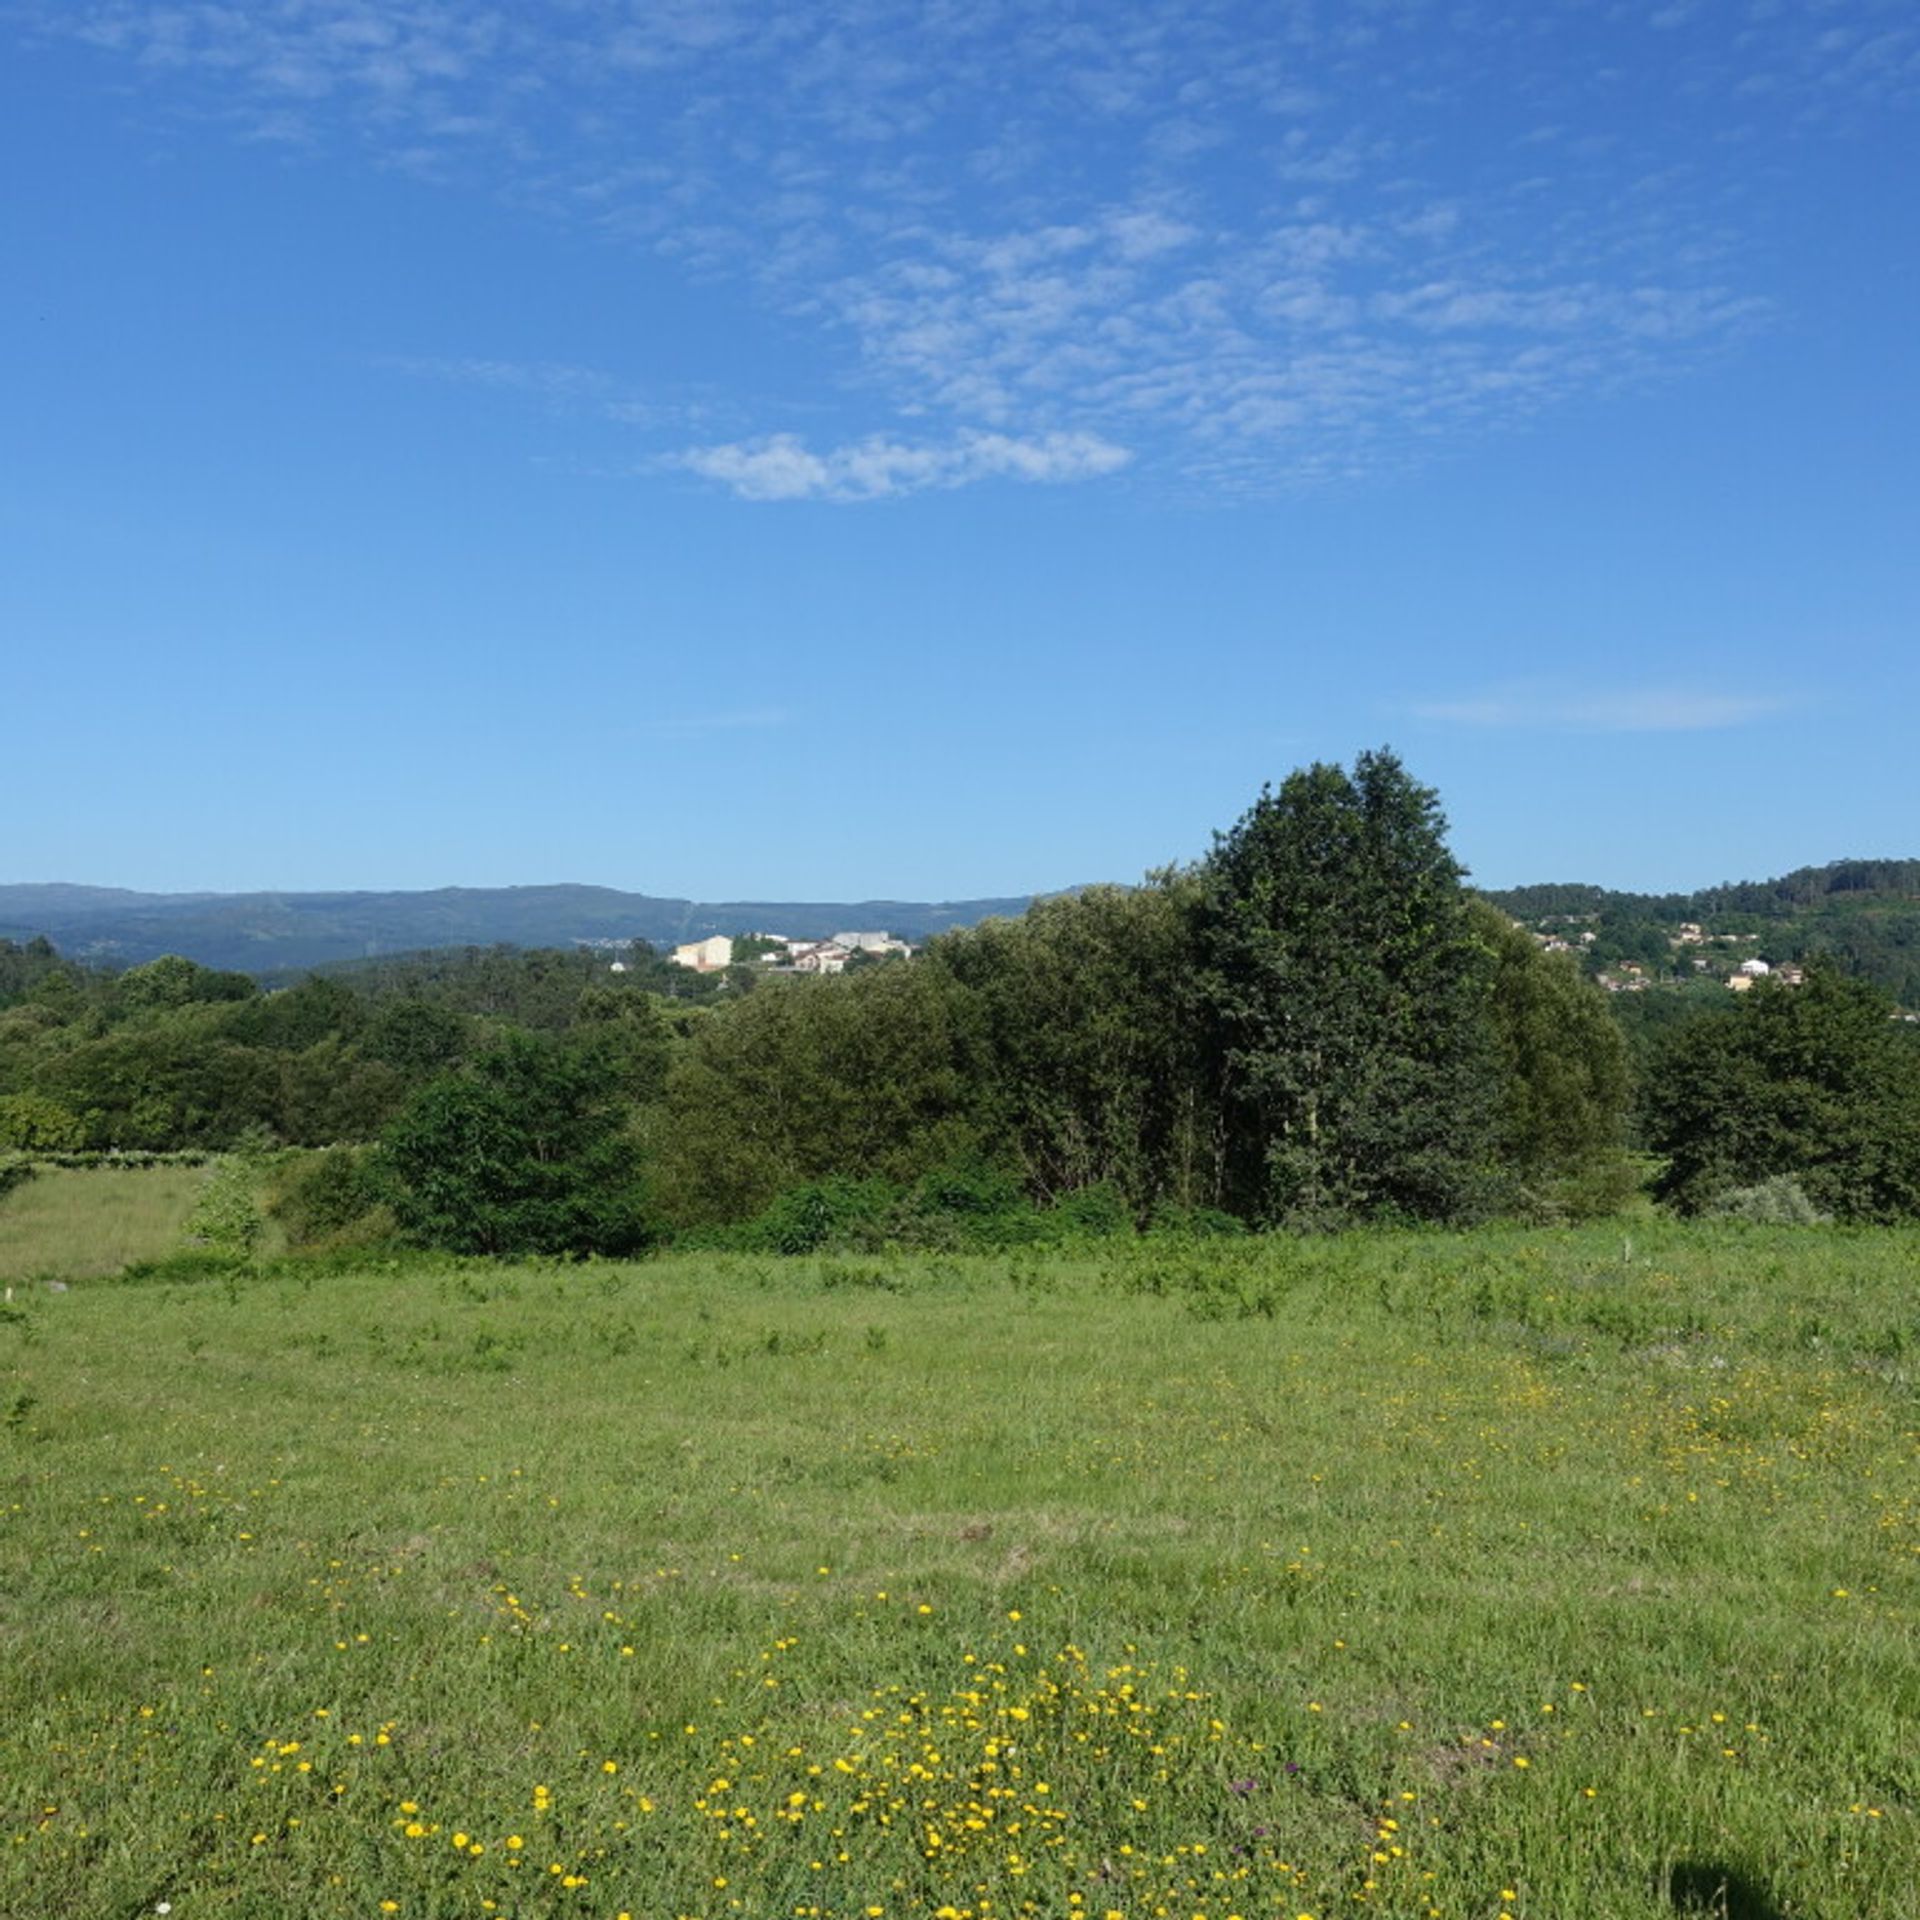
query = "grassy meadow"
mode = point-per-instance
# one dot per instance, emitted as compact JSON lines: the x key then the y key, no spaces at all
{"x":1562,"y":1576}
{"x":72,"y":1224}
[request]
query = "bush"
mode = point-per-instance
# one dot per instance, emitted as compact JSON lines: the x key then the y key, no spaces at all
{"x":226,"y":1217}
{"x":966,"y":1205}
{"x":1779,"y":1202}
{"x":960,"y":1208}
{"x":36,"y":1124}
{"x":193,"y":1265}
{"x":1195,"y":1223}
{"x":825,"y":1213}
{"x":1605,"y":1186}
{"x":321,"y":1197}
{"x":1092,"y":1213}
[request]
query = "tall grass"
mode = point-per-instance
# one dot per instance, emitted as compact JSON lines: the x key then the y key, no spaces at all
{"x":1553,"y":1576}
{"x":68,"y":1223}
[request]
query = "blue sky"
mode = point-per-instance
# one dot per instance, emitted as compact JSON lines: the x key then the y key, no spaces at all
{"x":859,"y":448}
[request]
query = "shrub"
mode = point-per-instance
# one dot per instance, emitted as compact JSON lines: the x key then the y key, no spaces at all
{"x":967,"y":1204}
{"x":319,"y":1197}
{"x":1195,"y":1223}
{"x":954,"y":1209}
{"x":191,"y":1265}
{"x":226,"y":1217}
{"x":1779,"y":1202}
{"x":1091,"y":1213}
{"x":825,"y":1213}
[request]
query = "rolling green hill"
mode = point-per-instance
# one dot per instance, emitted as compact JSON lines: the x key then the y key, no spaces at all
{"x":1863,"y":913}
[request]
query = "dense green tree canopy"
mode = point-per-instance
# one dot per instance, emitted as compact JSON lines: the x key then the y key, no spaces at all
{"x":863,"y":1075}
{"x":1565,"y":1082}
{"x":1348,"y":1001}
{"x":171,"y":981}
{"x":524,"y":1151}
{"x":1818,"y":1083}
{"x":1086,"y":1055}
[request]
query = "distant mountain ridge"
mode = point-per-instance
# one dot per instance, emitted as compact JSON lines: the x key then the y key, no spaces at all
{"x":268,"y":932}
{"x":1866,"y":911}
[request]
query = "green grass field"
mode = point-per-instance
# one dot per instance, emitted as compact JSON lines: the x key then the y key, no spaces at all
{"x":65,"y":1224}
{"x":1563,"y":1577}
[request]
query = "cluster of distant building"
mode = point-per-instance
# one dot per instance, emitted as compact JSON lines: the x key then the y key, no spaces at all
{"x":1748,"y":971}
{"x":779,"y":954}
{"x":1629,"y":976}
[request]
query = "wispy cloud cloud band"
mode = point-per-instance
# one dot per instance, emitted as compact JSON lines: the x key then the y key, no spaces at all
{"x":1653,"y":709}
{"x":1214,"y":248}
{"x":782,"y":467}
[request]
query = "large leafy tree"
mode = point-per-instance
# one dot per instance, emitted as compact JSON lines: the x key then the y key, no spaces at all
{"x":172,"y":981}
{"x":1565,"y":1080}
{"x":803,"y":1080}
{"x":1346,"y":995}
{"x":1817,"y":1083}
{"x":525,"y":1151}
{"x":1084,"y":1057}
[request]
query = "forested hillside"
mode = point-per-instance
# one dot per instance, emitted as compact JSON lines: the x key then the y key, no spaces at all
{"x":1862,"y":914}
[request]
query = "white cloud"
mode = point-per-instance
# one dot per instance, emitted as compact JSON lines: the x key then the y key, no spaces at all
{"x":1145,"y":233}
{"x":1178,"y":224}
{"x":782,"y":467}
{"x":1651,"y":312}
{"x":1606,"y":709}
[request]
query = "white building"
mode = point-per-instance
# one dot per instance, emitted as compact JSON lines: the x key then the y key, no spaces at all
{"x":818,"y":956}
{"x":705,"y":956}
{"x":870,"y":943}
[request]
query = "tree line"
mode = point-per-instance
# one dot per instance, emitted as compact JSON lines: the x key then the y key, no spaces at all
{"x":1314,"y":1024}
